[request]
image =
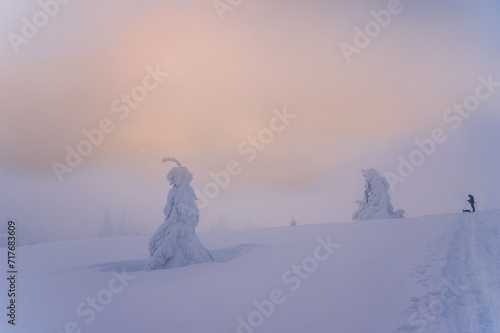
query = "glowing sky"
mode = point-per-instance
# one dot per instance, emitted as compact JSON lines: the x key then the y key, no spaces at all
{"x":225,"y":79}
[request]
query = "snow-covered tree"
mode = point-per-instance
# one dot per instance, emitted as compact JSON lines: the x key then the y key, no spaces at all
{"x":221,"y":224}
{"x":377,"y":202}
{"x":106,"y":227}
{"x":175,"y":243}
{"x":25,"y":235}
{"x":121,"y":227}
{"x":293,"y":223}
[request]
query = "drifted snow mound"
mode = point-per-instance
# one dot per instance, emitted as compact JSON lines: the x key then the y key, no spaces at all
{"x":175,"y":243}
{"x":377,"y":202}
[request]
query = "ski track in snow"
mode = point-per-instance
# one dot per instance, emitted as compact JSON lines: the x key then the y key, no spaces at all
{"x":461,"y":275}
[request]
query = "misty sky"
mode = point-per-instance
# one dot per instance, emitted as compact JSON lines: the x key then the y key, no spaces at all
{"x":226,"y":79}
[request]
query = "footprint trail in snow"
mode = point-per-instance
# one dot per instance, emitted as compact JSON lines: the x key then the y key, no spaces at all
{"x":461,"y":275}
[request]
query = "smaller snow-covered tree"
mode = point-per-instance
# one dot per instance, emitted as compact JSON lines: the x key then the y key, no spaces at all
{"x":293,"y":223}
{"x":106,"y":227}
{"x":25,"y":235}
{"x":122,"y":228}
{"x":377,"y":202}
{"x":221,"y":224}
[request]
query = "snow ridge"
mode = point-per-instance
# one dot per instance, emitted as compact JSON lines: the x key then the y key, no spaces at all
{"x":483,"y":261}
{"x":462,"y":277}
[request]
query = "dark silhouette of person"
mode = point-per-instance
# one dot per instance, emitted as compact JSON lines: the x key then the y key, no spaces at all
{"x":472,"y":202}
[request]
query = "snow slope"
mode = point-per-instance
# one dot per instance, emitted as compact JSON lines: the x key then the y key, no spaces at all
{"x":429,"y":274}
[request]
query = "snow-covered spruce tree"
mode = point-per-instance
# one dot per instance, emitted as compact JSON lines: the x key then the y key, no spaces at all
{"x":377,"y":202}
{"x":106,"y":227}
{"x":122,"y":227}
{"x":175,"y":243}
{"x":293,"y":223}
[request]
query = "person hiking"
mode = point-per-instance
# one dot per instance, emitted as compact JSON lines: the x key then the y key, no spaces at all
{"x":472,"y":202}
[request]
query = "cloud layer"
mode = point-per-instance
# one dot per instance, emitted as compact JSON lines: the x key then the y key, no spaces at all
{"x":225,"y":79}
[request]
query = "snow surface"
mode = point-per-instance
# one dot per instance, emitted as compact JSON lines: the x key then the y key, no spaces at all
{"x":429,"y":274}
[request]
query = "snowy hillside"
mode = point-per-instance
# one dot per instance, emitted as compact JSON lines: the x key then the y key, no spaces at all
{"x":429,"y":274}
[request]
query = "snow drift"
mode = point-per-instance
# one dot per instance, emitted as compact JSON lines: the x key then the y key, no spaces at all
{"x":428,"y":275}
